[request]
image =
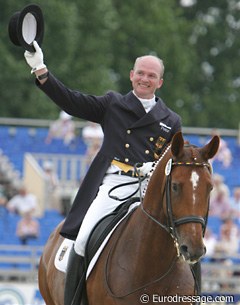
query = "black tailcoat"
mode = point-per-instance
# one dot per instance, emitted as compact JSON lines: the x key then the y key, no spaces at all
{"x":130,"y":136}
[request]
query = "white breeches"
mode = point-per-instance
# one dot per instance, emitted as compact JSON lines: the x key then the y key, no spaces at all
{"x":103,"y":205}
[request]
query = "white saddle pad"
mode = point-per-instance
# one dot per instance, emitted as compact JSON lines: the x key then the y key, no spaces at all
{"x":62,"y":255}
{"x":61,"y":258}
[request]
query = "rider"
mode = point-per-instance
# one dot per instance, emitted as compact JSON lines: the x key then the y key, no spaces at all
{"x":136,"y":126}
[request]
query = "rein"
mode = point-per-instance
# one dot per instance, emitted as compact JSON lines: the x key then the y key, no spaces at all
{"x":139,"y":188}
{"x":106,"y":272}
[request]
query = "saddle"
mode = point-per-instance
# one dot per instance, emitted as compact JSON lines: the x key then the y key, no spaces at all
{"x":98,"y":235}
{"x":104,"y":227}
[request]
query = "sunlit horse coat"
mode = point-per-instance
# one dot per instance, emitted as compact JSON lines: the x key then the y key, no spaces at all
{"x":130,"y":136}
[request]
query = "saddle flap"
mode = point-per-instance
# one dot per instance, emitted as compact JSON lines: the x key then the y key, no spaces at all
{"x":104,"y":227}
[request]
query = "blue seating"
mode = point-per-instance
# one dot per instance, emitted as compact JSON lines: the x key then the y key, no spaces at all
{"x":47,"y":224}
{"x":214,"y":224}
{"x":16,"y":141}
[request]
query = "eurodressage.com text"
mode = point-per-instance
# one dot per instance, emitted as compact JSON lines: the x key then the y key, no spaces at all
{"x":155,"y":298}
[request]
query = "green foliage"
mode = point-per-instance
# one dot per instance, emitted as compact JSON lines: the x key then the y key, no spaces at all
{"x":91,"y":46}
{"x":215,"y":83}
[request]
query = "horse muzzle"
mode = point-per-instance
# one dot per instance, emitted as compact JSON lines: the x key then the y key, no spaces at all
{"x":191,"y":248}
{"x":190,"y":255}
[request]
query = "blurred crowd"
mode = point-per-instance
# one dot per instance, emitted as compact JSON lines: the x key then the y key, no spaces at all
{"x":63,"y":128}
{"x":223,"y":246}
{"x":24,"y":204}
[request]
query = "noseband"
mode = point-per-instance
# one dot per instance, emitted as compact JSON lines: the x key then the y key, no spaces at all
{"x":171,"y":222}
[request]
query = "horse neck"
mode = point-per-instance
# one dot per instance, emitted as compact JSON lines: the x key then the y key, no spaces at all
{"x":141,"y":239}
{"x":153,"y":204}
{"x":153,"y":201}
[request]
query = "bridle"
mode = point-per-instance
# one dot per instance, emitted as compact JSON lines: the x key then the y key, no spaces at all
{"x":171,"y":222}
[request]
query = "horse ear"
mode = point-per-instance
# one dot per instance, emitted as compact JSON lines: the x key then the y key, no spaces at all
{"x":177,"y":144}
{"x":210,"y":149}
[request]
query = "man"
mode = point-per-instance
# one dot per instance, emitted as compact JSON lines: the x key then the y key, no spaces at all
{"x":136,"y":126}
{"x":23,"y":202}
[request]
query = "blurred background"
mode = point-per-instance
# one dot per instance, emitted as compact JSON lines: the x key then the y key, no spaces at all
{"x":91,"y":46}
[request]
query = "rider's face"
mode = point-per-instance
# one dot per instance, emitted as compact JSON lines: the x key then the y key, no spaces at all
{"x":146,"y":77}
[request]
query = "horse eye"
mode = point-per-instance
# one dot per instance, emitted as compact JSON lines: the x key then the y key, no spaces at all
{"x":174,"y":187}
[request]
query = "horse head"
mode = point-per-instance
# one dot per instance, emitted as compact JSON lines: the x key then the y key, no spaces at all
{"x":189,"y":185}
{"x":180,"y":205}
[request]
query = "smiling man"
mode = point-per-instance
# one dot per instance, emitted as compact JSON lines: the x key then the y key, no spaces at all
{"x":146,"y":76}
{"x":136,"y":127}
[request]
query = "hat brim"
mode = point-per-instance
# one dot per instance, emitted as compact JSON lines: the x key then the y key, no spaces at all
{"x":26,"y":26}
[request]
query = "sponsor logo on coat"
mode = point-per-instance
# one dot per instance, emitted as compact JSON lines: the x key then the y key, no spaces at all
{"x":165,"y":127}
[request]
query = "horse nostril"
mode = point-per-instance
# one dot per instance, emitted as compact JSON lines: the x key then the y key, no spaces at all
{"x":184,"y":250}
{"x":190,"y":254}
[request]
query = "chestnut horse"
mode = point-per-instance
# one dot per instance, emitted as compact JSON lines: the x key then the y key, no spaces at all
{"x":149,"y":256}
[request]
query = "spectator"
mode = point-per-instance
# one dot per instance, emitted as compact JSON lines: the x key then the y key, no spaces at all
{"x":235,"y":202}
{"x":220,"y":198}
{"x":22,"y":202}
{"x":93,"y":136}
{"x":3,"y":198}
{"x":228,"y":243}
{"x":220,"y":206}
{"x":210,"y":241}
{"x":63,"y":128}
{"x":3,"y":202}
{"x":227,"y":247}
{"x":52,"y":186}
{"x":219,"y":185}
{"x":27,"y":228}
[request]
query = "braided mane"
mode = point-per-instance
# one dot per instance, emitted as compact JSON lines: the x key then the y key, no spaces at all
{"x":155,"y":164}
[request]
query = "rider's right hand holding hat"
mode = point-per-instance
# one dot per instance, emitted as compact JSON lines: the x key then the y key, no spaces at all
{"x":35,"y":61}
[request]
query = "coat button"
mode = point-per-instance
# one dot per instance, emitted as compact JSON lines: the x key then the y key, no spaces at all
{"x":128,"y":131}
{"x":151,"y":139}
{"x":127,"y":145}
{"x":147,"y":152}
{"x":126,"y":160}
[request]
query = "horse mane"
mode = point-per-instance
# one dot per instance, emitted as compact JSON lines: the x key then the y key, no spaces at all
{"x":155,"y":164}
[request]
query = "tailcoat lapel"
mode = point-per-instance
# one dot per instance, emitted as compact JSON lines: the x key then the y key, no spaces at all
{"x":133,"y":104}
{"x":156,"y":114}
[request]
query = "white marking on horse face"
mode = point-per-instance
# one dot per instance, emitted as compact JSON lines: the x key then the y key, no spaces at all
{"x":194,"y":179}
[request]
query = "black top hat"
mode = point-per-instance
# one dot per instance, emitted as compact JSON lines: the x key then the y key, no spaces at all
{"x":25,"y":26}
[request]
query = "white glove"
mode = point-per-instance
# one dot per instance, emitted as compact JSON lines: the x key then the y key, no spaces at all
{"x":146,"y":169}
{"x":35,"y":60}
